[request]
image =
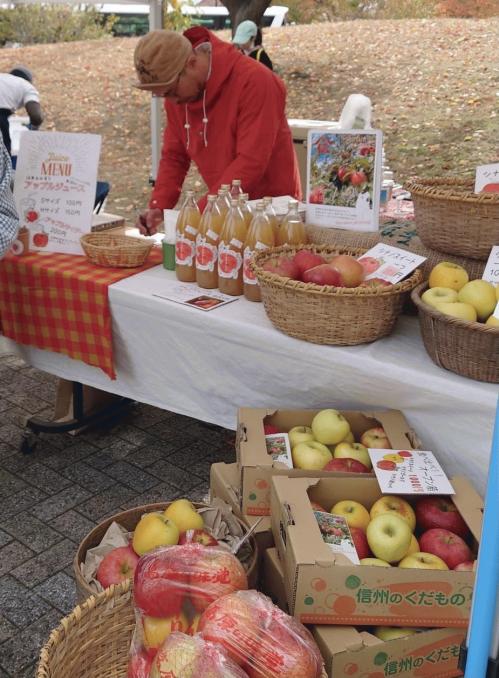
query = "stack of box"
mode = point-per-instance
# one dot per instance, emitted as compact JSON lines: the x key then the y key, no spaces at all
{"x":324,"y":589}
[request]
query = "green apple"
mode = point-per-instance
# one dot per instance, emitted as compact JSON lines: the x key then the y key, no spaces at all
{"x":390,"y":503}
{"x":423,"y":561}
{"x":481,"y":295}
{"x":353,"y":451}
{"x":392,"y":632}
{"x":458,"y":309}
{"x":447,"y":274}
{"x":330,"y":427}
{"x":435,"y":295}
{"x":492,"y":320}
{"x":374,"y":562}
{"x":154,"y":530}
{"x":184,"y":515}
{"x":389,"y":537}
{"x":300,"y":434}
{"x":311,"y":456}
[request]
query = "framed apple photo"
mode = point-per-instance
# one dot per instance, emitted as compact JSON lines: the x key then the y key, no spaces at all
{"x":336,"y":534}
{"x":409,"y":472}
{"x":279,"y":448}
{"x":344,"y":179}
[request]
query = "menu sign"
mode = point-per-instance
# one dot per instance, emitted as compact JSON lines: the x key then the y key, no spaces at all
{"x":409,"y":472}
{"x":54,"y":188}
{"x":389,"y":263}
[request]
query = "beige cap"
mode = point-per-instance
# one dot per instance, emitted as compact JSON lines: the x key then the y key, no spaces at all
{"x":160,"y":57}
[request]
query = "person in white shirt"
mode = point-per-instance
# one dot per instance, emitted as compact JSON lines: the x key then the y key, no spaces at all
{"x":17,"y":91}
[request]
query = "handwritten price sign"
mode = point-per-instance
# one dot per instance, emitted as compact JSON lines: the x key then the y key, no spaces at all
{"x":409,"y":472}
{"x":491,"y":272}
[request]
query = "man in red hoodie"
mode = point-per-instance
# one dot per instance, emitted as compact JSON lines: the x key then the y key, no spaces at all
{"x":225,"y":112}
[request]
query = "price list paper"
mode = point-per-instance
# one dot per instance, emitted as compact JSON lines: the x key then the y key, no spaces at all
{"x":409,"y":472}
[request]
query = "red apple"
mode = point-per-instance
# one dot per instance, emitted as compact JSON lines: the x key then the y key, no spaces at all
{"x":360,"y":542}
{"x":467,"y":566}
{"x":346,"y":465}
{"x":324,"y":274}
{"x":283,"y":266}
{"x":351,"y":272}
{"x":139,"y":665}
{"x":118,"y":565}
{"x":214,"y":574}
{"x":269,"y":429}
{"x":446,"y":545}
{"x":197,"y":537}
{"x":440,"y":512}
{"x":306,"y":259}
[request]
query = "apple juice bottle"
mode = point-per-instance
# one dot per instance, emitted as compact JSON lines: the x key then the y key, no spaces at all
{"x":185,"y":244}
{"x":272,"y":216}
{"x":292,"y":229}
{"x":236,"y":190}
{"x":223,"y":200}
{"x":245,"y":209}
{"x":230,"y":252}
{"x":207,"y":241}
{"x":260,"y":237}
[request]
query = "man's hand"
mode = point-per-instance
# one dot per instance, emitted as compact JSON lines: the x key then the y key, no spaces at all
{"x":149,"y":220}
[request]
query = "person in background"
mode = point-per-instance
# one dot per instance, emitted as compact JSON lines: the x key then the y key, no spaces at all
{"x":248,"y":38}
{"x":17,"y":91}
{"x":225,"y":112}
{"x":9,"y":222}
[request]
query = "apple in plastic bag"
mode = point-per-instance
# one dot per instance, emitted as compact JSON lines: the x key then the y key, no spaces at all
{"x":214,"y":574}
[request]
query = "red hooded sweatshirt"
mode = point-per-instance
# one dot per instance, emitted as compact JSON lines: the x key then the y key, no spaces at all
{"x":247,"y":133}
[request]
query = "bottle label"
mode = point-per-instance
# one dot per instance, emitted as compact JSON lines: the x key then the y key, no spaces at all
{"x":248,"y":275}
{"x":185,"y":251}
{"x":211,"y":234}
{"x":229,"y":262}
{"x":236,"y":243}
{"x":206,"y":254}
{"x":192,"y":230}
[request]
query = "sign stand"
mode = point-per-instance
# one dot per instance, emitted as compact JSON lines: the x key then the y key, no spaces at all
{"x":479,"y":658}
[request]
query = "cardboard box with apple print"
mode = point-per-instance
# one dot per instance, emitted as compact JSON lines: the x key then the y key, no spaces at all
{"x":323,"y":587}
{"x":256,"y":466}
{"x":360,"y":654}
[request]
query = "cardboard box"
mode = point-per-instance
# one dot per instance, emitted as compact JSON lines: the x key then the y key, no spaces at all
{"x":326,"y":588}
{"x":224,"y":484}
{"x":256,"y":464}
{"x":348,"y":652}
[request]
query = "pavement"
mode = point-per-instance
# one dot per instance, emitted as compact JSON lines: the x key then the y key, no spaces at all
{"x":50,"y":499}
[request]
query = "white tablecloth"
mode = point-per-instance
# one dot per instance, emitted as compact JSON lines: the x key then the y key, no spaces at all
{"x":206,"y":364}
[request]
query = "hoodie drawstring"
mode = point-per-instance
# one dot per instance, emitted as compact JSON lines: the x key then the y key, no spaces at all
{"x":205,"y":121}
{"x":187,"y":126}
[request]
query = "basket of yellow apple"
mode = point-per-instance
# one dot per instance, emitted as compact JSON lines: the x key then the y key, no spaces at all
{"x":459,"y":320}
{"x":109,"y":554}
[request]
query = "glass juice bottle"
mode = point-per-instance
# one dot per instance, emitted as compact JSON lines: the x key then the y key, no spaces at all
{"x":185,"y":243}
{"x":245,"y":209}
{"x":230,"y":252}
{"x":272,"y":216}
{"x":260,"y":237}
{"x":223,"y":200}
{"x":207,"y":241}
{"x":292,"y":229}
{"x":236,"y":190}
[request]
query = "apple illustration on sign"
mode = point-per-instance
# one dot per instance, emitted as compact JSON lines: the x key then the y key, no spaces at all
{"x":40,"y":239}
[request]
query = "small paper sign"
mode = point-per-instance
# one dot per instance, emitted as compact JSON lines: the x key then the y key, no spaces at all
{"x":491,"y":271}
{"x":389,"y":263}
{"x":409,"y":472}
{"x":487,"y":178}
{"x":195,"y":297}
{"x":336,"y":534}
{"x":279,"y":448}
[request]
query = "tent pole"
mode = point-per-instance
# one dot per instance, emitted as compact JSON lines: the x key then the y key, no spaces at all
{"x":155,"y":22}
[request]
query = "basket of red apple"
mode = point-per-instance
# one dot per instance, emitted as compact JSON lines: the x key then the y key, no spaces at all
{"x":318,"y":293}
{"x":459,"y":320}
{"x":110,"y":552}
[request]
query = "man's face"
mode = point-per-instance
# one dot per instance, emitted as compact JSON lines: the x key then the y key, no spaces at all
{"x":186,"y":88}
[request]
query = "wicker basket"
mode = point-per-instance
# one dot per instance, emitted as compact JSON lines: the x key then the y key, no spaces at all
{"x":117,"y":251}
{"x":128,"y":520}
{"x":467,"y":348}
{"x":330,"y":315}
{"x":451,"y":218}
{"x":94,"y":640}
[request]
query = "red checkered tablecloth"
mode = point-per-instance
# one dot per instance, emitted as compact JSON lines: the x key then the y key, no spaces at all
{"x":59,"y":302}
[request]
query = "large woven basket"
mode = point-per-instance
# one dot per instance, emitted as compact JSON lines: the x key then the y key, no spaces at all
{"x":467,"y":348}
{"x":330,"y":315}
{"x":116,"y":251}
{"x":451,"y":218}
{"x":94,"y":640}
{"x":128,"y":520}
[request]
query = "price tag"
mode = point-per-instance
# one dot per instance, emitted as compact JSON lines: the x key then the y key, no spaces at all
{"x":491,"y":272}
{"x":279,"y":448}
{"x":409,"y":472}
{"x":487,"y":178}
{"x":336,"y":534}
{"x":389,"y":263}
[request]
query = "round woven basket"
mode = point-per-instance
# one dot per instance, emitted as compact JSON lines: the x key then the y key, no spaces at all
{"x":330,"y":315}
{"x":94,"y":640}
{"x":128,"y":520}
{"x":452,"y":219}
{"x":466,"y":348}
{"x":116,"y":251}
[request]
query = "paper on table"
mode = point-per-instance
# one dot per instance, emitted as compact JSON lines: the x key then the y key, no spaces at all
{"x":409,"y":472}
{"x":191,"y":295}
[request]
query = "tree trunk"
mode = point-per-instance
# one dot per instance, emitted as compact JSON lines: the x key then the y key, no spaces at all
{"x":240,"y":10}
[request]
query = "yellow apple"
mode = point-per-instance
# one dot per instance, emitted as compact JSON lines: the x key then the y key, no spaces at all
{"x":392,"y":632}
{"x":330,"y":427}
{"x":311,"y":456}
{"x":414,"y":547}
{"x":354,"y":513}
{"x":493,"y":321}
{"x":447,"y":274}
{"x":436,"y":295}
{"x":154,"y":530}
{"x":157,"y":630}
{"x":374,"y":562}
{"x":300,"y":434}
{"x":389,"y":537}
{"x":458,"y":310}
{"x":423,"y":561}
{"x":375,"y":438}
{"x":392,"y":504}
{"x":353,"y":451}
{"x":481,"y":295}
{"x":184,"y":515}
